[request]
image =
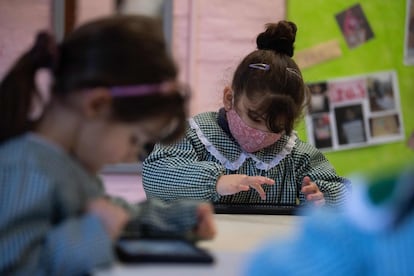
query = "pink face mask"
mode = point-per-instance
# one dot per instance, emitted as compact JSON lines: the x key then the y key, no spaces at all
{"x":250,"y":139}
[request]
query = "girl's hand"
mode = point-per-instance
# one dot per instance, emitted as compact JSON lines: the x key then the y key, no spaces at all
{"x":112,"y":216}
{"x":206,"y":228}
{"x":312,"y":192}
{"x":234,"y":183}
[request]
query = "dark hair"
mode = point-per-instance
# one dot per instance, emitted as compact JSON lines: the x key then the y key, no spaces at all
{"x":279,"y":91}
{"x":113,"y":51}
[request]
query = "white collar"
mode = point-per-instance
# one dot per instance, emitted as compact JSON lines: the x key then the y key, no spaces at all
{"x":235,"y":165}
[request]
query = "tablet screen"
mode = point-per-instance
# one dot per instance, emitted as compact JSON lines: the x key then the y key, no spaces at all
{"x":161,"y":250}
{"x":156,"y":247}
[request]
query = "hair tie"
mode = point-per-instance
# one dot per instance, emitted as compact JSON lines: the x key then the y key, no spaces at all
{"x":281,"y":44}
{"x":140,"y":90}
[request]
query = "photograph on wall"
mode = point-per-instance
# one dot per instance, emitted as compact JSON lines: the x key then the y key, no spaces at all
{"x":354,"y":111}
{"x":354,"y":26}
{"x":319,"y":97}
{"x":384,"y":125}
{"x":409,"y":34}
{"x":381,"y":93}
{"x":350,"y":124}
{"x":322,"y":133}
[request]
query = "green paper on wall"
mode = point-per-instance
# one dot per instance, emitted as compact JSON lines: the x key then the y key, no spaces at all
{"x":316,"y":24}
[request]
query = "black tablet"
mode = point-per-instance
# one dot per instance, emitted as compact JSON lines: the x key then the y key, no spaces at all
{"x":257,"y":209}
{"x":162,"y":250}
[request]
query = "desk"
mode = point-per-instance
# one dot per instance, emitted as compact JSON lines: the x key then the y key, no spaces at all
{"x":237,"y":236}
{"x":241,"y":233}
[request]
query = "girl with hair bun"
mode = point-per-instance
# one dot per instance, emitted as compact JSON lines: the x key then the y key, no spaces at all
{"x":112,"y":88}
{"x":248,"y":151}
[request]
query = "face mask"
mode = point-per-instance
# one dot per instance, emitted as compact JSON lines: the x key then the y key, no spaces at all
{"x":250,"y":139}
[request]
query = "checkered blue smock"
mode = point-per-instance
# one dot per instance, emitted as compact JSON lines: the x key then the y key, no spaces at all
{"x":190,"y":168}
{"x":43,"y":227}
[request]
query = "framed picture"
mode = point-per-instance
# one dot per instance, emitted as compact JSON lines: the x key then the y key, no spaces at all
{"x":354,"y":111}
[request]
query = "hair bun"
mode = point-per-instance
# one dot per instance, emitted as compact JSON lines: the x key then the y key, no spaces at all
{"x":278,"y":37}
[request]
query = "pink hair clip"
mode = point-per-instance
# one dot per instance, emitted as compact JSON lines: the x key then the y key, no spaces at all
{"x":143,"y":89}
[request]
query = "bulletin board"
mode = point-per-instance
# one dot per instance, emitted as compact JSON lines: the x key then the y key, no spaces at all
{"x":317,"y":23}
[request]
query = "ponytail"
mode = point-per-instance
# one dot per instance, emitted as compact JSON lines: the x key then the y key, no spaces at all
{"x":18,"y":87}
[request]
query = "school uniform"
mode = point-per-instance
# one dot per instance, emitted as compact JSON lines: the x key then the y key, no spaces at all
{"x":190,"y":168}
{"x":44,"y":229}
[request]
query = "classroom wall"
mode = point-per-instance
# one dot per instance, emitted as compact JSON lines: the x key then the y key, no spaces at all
{"x":316,"y":23}
{"x":210,"y":37}
{"x":19,"y":22}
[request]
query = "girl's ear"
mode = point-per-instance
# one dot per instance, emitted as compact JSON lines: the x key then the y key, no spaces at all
{"x":227,"y":98}
{"x":96,"y":102}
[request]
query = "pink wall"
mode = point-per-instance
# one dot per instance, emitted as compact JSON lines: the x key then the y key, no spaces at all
{"x":126,"y":186}
{"x":88,"y":9}
{"x":210,"y":37}
{"x":19,"y":22}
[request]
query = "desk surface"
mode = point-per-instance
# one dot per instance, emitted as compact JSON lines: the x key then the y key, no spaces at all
{"x":237,"y":236}
{"x":242,"y":233}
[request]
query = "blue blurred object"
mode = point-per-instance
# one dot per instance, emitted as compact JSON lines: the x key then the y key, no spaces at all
{"x":371,"y":235}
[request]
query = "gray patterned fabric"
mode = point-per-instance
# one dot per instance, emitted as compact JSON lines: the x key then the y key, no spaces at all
{"x":43,"y":227}
{"x":190,"y":168}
